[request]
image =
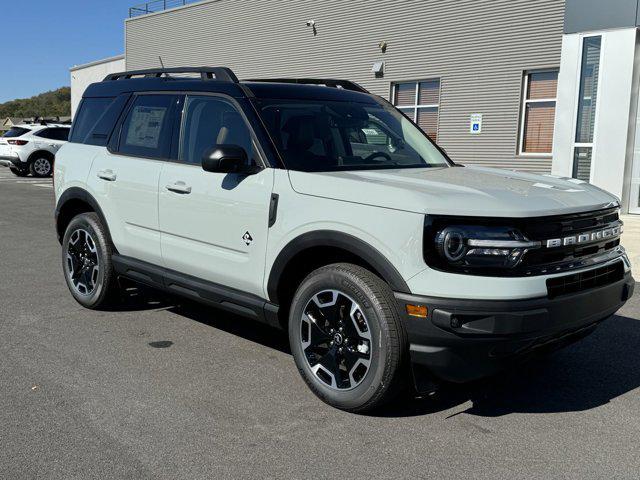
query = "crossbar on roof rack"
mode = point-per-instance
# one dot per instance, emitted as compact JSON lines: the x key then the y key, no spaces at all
{"x":223,"y":74}
{"x":327,"y":82}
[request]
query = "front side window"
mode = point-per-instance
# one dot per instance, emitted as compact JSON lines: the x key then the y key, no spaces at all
{"x":539,"y":112}
{"x":209,"y":121}
{"x":146,"y":131}
{"x":420,"y":101}
{"x":15,"y":132}
{"x":318,"y":135}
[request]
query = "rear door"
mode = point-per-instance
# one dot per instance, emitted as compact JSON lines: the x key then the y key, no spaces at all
{"x":214,"y":225}
{"x":124,"y":178}
{"x":52,"y":138}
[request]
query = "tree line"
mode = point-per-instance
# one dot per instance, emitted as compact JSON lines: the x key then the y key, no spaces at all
{"x":56,"y":103}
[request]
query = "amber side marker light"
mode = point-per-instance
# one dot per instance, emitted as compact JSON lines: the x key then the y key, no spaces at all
{"x":419,"y":311}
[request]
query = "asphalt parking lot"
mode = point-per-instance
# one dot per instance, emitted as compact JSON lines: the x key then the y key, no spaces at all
{"x":163,"y":389}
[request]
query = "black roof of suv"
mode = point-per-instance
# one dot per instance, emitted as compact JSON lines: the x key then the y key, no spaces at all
{"x":223,"y":80}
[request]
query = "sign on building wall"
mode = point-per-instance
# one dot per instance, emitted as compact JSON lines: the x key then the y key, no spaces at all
{"x":475,"y":127}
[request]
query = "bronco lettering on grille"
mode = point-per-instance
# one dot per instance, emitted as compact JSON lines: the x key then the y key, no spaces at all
{"x":587,"y":237}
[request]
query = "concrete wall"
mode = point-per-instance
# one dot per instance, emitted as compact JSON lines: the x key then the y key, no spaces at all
{"x":478,"y":48}
{"x":84,"y":75}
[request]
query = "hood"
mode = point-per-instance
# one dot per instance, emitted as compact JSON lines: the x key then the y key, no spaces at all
{"x":468,"y":191}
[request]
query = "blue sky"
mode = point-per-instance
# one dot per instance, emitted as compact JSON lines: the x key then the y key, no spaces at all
{"x":43,"y":38}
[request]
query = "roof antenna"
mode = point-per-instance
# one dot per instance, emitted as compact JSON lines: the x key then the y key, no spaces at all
{"x":162,"y":65}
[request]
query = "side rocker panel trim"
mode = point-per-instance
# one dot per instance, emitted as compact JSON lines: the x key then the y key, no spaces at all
{"x":331,"y":238}
{"x":203,"y":291}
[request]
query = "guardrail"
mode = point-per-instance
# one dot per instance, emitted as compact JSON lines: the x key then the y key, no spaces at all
{"x":155,"y":6}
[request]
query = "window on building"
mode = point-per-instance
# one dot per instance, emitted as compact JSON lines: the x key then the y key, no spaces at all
{"x":587,"y":103}
{"x":420,"y":101}
{"x":538,"y":112}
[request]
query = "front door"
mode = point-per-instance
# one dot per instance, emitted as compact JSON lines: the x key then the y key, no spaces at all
{"x":214,"y":226}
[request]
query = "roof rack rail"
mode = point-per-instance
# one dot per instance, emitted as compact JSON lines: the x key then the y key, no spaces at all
{"x":206,"y":73}
{"x":327,"y":82}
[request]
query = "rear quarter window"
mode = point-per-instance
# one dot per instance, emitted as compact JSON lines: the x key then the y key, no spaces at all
{"x":91,"y":110}
{"x":15,"y":132}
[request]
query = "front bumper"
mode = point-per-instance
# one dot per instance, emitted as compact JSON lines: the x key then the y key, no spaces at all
{"x":463,"y":340}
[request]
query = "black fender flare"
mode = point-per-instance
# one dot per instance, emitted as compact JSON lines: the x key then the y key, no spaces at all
{"x":77,"y":193}
{"x":345,"y":241}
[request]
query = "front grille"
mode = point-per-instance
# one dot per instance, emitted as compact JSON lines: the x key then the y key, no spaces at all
{"x":538,"y":261}
{"x":580,"y":282}
{"x":548,"y":260}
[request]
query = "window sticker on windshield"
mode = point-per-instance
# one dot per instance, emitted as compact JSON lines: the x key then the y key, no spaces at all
{"x":144,"y":127}
{"x":370,"y":131}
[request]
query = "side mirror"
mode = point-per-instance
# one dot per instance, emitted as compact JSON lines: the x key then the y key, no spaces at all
{"x":226,"y":159}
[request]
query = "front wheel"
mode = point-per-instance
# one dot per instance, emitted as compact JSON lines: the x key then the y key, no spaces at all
{"x":86,"y":262}
{"x":347,"y":338}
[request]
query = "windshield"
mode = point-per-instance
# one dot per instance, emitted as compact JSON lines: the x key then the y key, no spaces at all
{"x":321,"y":136}
{"x":15,"y":132}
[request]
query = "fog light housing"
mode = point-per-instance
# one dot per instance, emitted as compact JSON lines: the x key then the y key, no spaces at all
{"x":419,"y":311}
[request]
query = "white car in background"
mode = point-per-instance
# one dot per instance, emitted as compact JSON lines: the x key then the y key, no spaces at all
{"x":31,"y":148}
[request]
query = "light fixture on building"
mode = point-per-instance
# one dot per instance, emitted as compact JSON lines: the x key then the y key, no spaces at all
{"x":378,"y":69}
{"x":312,"y":24}
{"x":383,"y":46}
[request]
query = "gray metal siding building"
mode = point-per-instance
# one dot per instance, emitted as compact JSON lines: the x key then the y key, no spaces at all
{"x":479,"y":50}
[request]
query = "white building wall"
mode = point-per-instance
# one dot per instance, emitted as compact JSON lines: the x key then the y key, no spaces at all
{"x":611,"y":133}
{"x":84,"y":75}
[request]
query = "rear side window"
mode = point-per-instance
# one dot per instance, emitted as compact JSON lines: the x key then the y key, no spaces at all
{"x":15,"y":132}
{"x":146,"y":131}
{"x":90,"y":112}
{"x":55,"y":133}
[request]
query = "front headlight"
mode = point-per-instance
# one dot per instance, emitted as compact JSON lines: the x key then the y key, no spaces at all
{"x":468,"y":246}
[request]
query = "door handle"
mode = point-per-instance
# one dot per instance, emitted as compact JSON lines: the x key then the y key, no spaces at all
{"x":107,"y":175}
{"x":179,"y":187}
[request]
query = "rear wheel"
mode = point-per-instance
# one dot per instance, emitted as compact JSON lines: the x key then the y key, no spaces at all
{"x":41,"y":166}
{"x":347,"y":338}
{"x":86,"y":262}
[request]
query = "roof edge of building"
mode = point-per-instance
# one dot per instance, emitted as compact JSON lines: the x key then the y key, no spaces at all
{"x":97,"y":62}
{"x":169,"y":10}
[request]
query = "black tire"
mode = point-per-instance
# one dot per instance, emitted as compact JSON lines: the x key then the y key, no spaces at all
{"x":103,"y":282}
{"x":19,"y":173}
{"x":386,"y":374}
{"x":41,"y":165}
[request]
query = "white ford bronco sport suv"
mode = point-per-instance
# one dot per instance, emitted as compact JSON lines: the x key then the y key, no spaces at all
{"x":31,"y":148}
{"x":316,"y":207}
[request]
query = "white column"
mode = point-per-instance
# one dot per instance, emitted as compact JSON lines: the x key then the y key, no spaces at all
{"x":612,"y":110}
{"x":566,"y":106}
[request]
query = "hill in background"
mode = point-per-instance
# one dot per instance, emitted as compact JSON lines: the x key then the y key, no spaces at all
{"x":56,"y":103}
